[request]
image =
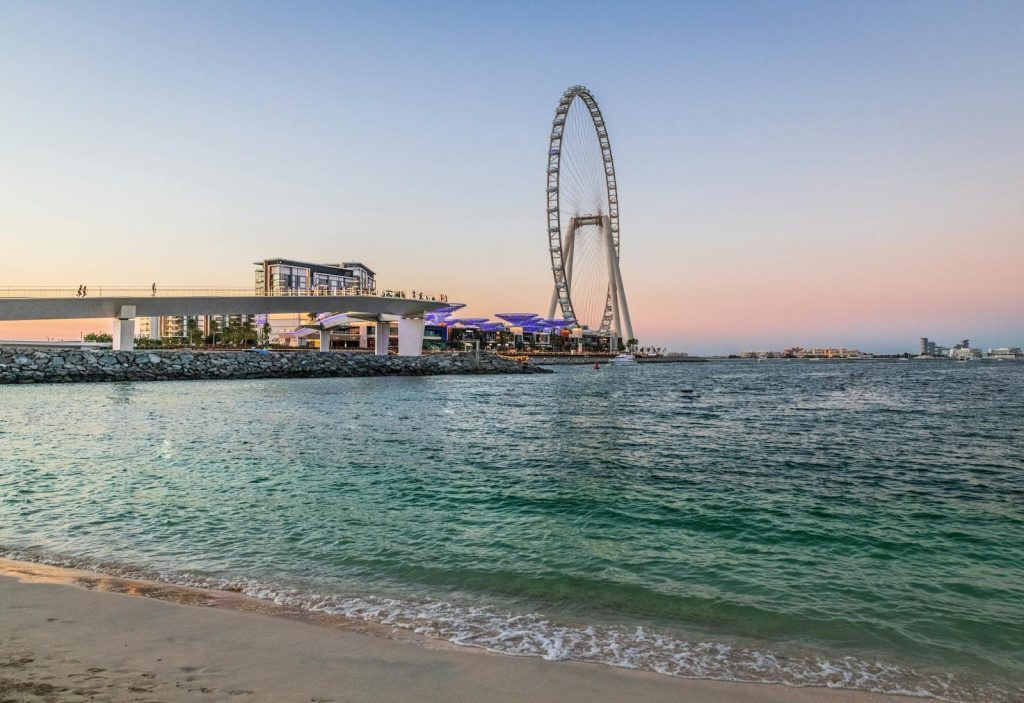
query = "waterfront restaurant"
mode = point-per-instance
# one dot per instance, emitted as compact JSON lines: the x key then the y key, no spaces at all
{"x":282,"y":276}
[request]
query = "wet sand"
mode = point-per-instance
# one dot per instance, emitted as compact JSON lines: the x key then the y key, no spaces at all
{"x":68,"y":635}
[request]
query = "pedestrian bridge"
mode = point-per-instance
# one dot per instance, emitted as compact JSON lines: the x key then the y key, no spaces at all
{"x":123,"y":305}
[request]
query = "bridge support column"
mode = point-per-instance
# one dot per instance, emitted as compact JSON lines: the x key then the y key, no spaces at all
{"x":325,"y":340}
{"x":123,"y":331}
{"x":154,"y":328}
{"x":410,"y":336}
{"x":382,"y":338}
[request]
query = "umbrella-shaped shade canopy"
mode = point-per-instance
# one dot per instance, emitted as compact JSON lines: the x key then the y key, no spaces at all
{"x":436,"y":317}
{"x":517,"y":319}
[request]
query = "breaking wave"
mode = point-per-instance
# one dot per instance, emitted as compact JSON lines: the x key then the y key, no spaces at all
{"x":534,"y":635}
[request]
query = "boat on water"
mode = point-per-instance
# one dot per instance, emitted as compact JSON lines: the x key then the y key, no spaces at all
{"x":624,"y":360}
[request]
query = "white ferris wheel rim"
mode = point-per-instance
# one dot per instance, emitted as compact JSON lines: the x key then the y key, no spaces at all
{"x":554,"y":191}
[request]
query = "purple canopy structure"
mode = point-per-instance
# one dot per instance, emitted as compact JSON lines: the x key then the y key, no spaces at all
{"x":441,"y":315}
{"x":492,"y":327}
{"x":517,"y":319}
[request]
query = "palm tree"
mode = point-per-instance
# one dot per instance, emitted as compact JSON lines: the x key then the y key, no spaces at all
{"x":213,"y":330}
{"x":247,"y":333}
{"x":193,"y":333}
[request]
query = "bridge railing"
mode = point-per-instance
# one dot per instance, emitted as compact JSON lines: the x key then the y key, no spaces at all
{"x":209,"y":292}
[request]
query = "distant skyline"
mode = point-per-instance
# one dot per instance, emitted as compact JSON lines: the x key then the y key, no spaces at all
{"x":845,"y":174}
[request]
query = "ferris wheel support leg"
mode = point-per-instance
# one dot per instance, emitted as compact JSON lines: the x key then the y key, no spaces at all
{"x":570,"y":243}
{"x":622,"y":322}
{"x":616,"y":328}
{"x":627,"y":324}
{"x":613,"y":289}
{"x":570,"y":239}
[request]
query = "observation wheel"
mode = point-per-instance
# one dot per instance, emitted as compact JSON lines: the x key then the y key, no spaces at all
{"x":583,"y":219}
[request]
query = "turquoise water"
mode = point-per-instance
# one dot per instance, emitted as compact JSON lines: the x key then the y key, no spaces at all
{"x":847,"y":524}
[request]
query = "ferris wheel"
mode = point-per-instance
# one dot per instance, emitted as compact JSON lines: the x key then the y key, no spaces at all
{"x":583,"y":219}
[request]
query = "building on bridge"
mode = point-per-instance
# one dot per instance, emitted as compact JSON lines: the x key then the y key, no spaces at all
{"x":283,"y":276}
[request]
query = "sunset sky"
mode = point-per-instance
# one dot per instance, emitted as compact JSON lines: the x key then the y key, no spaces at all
{"x":789,"y":173}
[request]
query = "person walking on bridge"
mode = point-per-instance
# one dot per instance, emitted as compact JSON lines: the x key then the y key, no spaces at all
{"x":154,"y":290}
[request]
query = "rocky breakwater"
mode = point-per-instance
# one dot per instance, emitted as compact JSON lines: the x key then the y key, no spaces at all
{"x":83,"y":365}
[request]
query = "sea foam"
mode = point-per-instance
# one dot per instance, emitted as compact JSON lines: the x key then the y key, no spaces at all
{"x":535,"y":635}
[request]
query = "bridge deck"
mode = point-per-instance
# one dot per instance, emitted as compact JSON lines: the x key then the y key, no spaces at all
{"x":66,"y":308}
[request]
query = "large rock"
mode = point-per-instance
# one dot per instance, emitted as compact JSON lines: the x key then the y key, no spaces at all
{"x":66,"y":365}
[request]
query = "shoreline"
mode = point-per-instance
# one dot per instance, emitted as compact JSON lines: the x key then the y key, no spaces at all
{"x":76,"y":634}
{"x":583,"y":360}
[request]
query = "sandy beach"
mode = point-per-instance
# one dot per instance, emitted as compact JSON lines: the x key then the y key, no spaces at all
{"x":69,"y":635}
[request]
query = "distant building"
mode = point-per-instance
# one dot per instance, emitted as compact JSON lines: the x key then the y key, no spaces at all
{"x":1005,"y":353}
{"x":177,"y":327}
{"x":821,"y":353}
{"x":961,"y":350}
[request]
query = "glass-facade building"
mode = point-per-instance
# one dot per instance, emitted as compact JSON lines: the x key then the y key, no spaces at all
{"x":282,"y":276}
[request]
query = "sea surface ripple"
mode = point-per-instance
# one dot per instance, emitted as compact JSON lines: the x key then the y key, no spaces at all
{"x":855,"y":525}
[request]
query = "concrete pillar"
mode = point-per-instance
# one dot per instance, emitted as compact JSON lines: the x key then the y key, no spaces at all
{"x":410,"y":336}
{"x":123,"y":330}
{"x":578,"y":333}
{"x":154,"y":328}
{"x":383,"y":338}
{"x":325,"y":340}
{"x":364,"y":337}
